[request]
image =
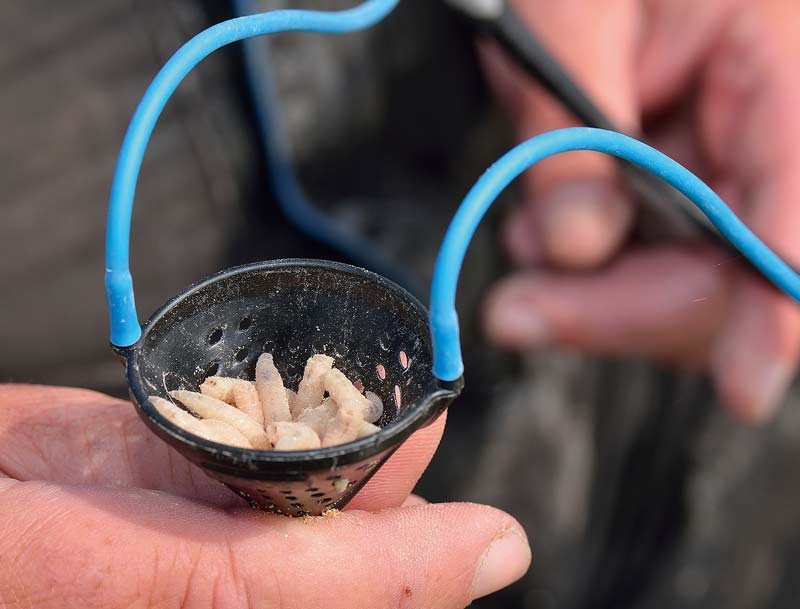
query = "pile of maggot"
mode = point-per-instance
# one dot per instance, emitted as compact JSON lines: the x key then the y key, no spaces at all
{"x":326,"y":410}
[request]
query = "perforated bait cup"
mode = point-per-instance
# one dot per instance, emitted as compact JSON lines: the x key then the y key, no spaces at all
{"x":377,"y":332}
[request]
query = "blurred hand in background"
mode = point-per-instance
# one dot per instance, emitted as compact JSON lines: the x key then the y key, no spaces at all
{"x":712,"y":84}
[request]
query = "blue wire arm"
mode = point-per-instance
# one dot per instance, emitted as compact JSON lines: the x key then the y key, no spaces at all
{"x":447,"y":364}
{"x":289,"y":193}
{"x":125,"y":329}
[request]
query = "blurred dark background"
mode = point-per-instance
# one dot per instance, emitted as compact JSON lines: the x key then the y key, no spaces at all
{"x":636,"y":490}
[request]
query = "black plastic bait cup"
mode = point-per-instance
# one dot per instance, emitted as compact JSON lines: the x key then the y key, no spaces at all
{"x":375,"y":330}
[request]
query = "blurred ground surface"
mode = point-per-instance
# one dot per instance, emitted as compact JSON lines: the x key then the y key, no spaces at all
{"x":635,"y":489}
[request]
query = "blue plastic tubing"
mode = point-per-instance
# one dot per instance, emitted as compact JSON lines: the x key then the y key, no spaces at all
{"x":292,"y":200}
{"x":448,"y":365}
{"x":125,"y":328}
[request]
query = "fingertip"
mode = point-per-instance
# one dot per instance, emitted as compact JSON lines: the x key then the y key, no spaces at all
{"x":495,"y":538}
{"x":583,"y":223}
{"x":393,"y":482}
{"x":505,"y":561}
{"x":752,"y":392}
{"x":754,"y":359}
{"x":467,"y":550}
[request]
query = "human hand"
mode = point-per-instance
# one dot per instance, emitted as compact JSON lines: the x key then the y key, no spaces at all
{"x":714,"y":85}
{"x":98,"y":512}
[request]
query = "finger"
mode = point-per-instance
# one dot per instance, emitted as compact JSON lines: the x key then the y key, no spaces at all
{"x":750,"y":127}
{"x":393,"y":482}
{"x":755,"y":357}
{"x":577,"y":224}
{"x":572,"y":199}
{"x":663,"y":303}
{"x":665,"y":69}
{"x":76,"y":436}
{"x":62,"y":550}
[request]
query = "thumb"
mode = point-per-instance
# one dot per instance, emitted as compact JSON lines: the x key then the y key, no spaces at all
{"x":74,"y":547}
{"x":573,"y":211}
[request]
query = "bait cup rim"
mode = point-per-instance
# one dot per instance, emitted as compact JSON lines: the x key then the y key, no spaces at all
{"x":416,"y":415}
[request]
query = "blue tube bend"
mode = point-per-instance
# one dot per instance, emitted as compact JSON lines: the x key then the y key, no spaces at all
{"x":447,"y":362}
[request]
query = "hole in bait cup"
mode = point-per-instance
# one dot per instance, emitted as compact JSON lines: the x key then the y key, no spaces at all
{"x":291,"y":304}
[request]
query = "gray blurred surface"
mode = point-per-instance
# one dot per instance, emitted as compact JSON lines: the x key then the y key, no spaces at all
{"x":636,"y":490}
{"x":69,"y":87}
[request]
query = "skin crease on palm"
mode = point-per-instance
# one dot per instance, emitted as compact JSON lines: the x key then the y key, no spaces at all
{"x":100,"y":513}
{"x":714,"y":85}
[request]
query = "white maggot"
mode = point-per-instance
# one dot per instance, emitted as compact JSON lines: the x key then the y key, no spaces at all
{"x":209,"y":408}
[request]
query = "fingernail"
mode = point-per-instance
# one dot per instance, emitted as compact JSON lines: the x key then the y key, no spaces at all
{"x":505,"y":560}
{"x":766,"y":390}
{"x":516,"y":323}
{"x":583,"y":223}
